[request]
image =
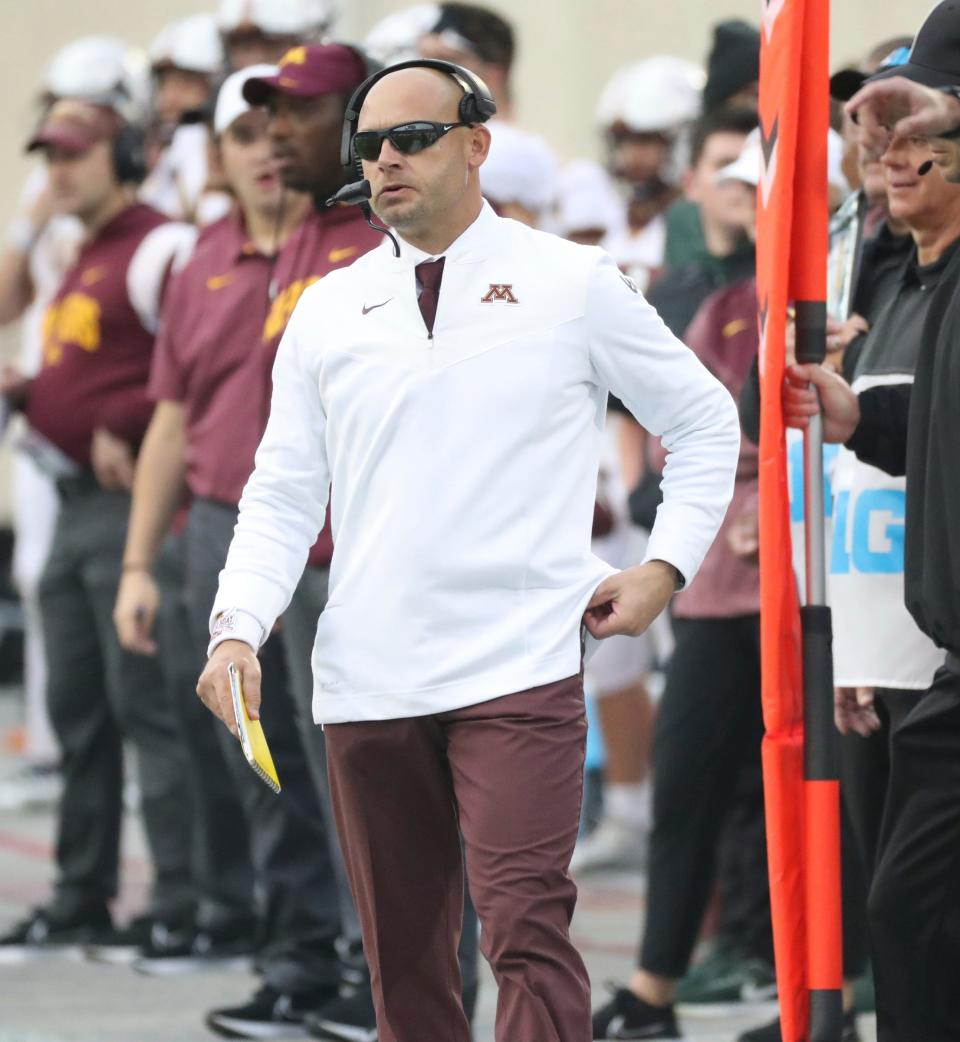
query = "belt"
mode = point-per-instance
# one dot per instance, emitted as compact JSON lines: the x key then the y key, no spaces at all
{"x":76,"y":486}
{"x":952,"y":662}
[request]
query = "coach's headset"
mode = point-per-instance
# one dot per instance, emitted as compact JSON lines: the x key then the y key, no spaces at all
{"x":129,"y":139}
{"x":476,"y":105}
{"x":128,"y":144}
{"x":129,"y":154}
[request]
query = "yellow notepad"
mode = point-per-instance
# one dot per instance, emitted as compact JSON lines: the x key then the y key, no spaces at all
{"x":252,"y":739}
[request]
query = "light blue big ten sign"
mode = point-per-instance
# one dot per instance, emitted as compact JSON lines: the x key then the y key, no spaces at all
{"x":873,"y":543}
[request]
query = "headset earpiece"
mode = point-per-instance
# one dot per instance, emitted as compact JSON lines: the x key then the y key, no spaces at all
{"x":352,"y":168}
{"x":129,"y":154}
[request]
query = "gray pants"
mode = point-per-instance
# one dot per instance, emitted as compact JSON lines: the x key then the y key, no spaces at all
{"x":299,"y":906}
{"x":99,"y":695}
{"x":220,"y":862}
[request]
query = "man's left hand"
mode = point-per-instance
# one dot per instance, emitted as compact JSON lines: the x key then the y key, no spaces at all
{"x":629,"y":601}
{"x":854,"y":711}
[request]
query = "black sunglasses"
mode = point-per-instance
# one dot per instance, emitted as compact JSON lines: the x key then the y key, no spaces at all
{"x":408,"y":138}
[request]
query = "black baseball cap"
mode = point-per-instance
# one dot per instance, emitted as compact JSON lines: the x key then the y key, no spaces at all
{"x":934,"y":59}
{"x":845,"y":83}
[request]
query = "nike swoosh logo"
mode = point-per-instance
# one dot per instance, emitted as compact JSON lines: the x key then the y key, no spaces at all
{"x":219,"y":281}
{"x":751,"y":992}
{"x":342,"y":253}
{"x":367,"y":310}
{"x":92,"y":275}
{"x":617,"y":1030}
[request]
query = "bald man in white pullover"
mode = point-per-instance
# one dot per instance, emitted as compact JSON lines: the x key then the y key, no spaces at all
{"x":454,"y":398}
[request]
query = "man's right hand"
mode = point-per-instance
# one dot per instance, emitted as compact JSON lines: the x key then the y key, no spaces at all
{"x":836,"y":400}
{"x":898,"y":106}
{"x":135,"y":611}
{"x":14,"y":386}
{"x":213,"y":687}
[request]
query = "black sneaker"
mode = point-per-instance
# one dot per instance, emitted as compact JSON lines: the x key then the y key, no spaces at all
{"x":349,"y":1018}
{"x":121,"y":945}
{"x":46,"y":932}
{"x":771,"y":1032}
{"x":269,"y":1014}
{"x":725,"y":982}
{"x":627,"y":1017}
{"x":172,"y":949}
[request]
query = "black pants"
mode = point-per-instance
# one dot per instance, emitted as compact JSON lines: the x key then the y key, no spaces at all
{"x":709,"y":728}
{"x":220,"y":859}
{"x":864,"y":779}
{"x":742,"y":878}
{"x":914,"y":908}
{"x":99,"y":696}
{"x":299,"y":907}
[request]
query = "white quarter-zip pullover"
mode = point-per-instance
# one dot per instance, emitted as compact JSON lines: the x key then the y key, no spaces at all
{"x":463,"y":468}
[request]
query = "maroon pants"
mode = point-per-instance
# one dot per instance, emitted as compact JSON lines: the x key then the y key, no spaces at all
{"x":508,"y":774}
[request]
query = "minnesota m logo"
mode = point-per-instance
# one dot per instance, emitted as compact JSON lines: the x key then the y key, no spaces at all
{"x":498,"y":291}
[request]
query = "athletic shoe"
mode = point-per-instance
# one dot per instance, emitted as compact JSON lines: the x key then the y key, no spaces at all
{"x":349,"y":1018}
{"x":771,"y":1032}
{"x":627,"y":1017}
{"x":612,"y":844}
{"x":270,"y":1014}
{"x":726,"y":978}
{"x":172,"y":949}
{"x":121,"y":945}
{"x":46,"y":932}
{"x":31,"y":787}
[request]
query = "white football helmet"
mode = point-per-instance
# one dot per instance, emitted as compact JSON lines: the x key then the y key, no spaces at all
{"x":308,"y":19}
{"x":192,"y":44}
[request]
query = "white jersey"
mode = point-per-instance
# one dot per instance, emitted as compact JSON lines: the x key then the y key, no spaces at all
{"x":639,"y":253}
{"x":464,"y":468}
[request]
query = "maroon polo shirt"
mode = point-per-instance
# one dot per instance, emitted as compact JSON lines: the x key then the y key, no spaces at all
{"x":96,"y":353}
{"x":223,"y":317}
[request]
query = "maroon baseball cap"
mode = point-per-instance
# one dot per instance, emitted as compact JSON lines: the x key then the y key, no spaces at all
{"x":309,"y":71}
{"x":74,"y":126}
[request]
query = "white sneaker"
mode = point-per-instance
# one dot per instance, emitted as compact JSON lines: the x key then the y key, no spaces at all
{"x":612,"y":844}
{"x":32,"y":786}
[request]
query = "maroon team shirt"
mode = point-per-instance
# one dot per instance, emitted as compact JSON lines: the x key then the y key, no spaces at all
{"x":724,"y":336}
{"x":96,"y":353}
{"x":223,"y":317}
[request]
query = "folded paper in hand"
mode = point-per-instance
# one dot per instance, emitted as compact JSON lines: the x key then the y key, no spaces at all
{"x":252,"y":739}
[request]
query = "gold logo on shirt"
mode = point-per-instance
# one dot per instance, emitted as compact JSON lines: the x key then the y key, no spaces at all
{"x":73,"y":320}
{"x":342,"y":253}
{"x":219,"y":281}
{"x":282,"y":308}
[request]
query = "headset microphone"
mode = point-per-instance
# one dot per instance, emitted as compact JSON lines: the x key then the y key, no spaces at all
{"x":353,"y":194}
{"x":925,"y":168}
{"x":357,"y":193}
